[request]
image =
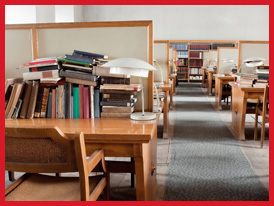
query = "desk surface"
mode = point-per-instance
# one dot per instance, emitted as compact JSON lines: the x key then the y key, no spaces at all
{"x":110,"y":129}
{"x":246,"y":88}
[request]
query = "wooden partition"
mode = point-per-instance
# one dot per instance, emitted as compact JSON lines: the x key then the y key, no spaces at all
{"x":212,"y":56}
{"x":230,"y":53}
{"x":171,"y":70}
{"x":249,"y":49}
{"x":24,"y":43}
{"x":206,"y":58}
{"x":161,"y":55}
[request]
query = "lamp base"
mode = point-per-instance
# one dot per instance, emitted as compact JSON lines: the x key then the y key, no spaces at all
{"x":139,"y":116}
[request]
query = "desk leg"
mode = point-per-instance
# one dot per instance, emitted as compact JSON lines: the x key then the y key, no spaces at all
{"x":220,"y":87}
{"x":145,"y":165}
{"x":238,"y":107}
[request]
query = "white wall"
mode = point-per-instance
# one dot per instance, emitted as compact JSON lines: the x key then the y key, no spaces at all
{"x":20,"y":13}
{"x":45,"y":13}
{"x":191,"y":22}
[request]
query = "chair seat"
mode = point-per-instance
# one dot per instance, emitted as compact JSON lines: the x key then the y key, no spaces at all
{"x":39,"y":187}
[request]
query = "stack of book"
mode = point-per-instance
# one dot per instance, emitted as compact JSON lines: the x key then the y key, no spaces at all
{"x":43,"y":69}
{"x":245,"y":79}
{"x":118,"y":100}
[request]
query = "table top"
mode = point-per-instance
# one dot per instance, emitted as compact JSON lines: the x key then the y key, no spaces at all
{"x":246,"y":88}
{"x":97,"y":129}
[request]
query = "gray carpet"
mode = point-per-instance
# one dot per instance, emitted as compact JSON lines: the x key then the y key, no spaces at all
{"x":206,"y":162}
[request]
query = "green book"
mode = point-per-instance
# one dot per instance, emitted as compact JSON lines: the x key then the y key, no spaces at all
{"x":76,"y":113}
{"x":73,"y":62}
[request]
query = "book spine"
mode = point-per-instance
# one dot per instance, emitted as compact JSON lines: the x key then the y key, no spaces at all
{"x":80,"y":59}
{"x":86,"y":99}
{"x":60,"y":105}
{"x":81,"y":101}
{"x":49,"y":106}
{"x":33,"y":99}
{"x":76,"y":102}
{"x":42,"y":62}
{"x":53,"y":103}
{"x":44,"y":68}
{"x":68,"y":100}
{"x":91,"y":94}
{"x":40,"y":75}
{"x":88,"y":54}
{"x":37,"y":111}
{"x":118,"y":103}
{"x":96,"y":103}
{"x":115,"y":80}
{"x":78,"y":75}
{"x":45,"y":102}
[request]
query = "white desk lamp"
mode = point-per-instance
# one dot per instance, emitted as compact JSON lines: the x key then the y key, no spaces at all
{"x":161,"y":71}
{"x":133,"y":67}
{"x":252,"y":62}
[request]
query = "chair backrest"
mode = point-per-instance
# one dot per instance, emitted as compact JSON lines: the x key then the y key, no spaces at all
{"x":266,"y":100}
{"x":39,"y":150}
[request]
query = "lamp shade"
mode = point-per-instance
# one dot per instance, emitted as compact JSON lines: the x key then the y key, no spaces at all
{"x":254,"y":61}
{"x":129,"y":66}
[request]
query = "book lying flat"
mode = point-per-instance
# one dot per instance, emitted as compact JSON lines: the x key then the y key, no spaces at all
{"x":78,"y":75}
{"x":114,"y":109}
{"x":40,"y":75}
{"x":43,"y":68}
{"x":118,"y":103}
{"x":90,"y":55}
{"x":112,"y":115}
{"x":131,"y":87}
{"x":116,"y":91}
{"x":80,"y":59}
{"x":74,"y":62}
{"x":80,"y":81}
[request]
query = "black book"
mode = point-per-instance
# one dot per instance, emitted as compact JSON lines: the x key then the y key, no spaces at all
{"x":80,"y":59}
{"x":7,"y":95}
{"x":44,"y":68}
{"x":89,"y":55}
{"x":97,"y":106}
{"x":115,"y":80}
{"x":76,"y":68}
{"x":77,"y":75}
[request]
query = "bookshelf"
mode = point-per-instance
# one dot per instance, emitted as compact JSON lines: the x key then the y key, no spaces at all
{"x":181,"y":58}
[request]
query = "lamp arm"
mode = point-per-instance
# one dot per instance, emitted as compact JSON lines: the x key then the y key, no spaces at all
{"x":143,"y":110}
{"x":239,"y":69}
{"x":162,"y":78}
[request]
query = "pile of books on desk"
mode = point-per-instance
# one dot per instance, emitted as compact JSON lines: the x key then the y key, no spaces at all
{"x":60,"y":87}
{"x":118,"y":100}
{"x":245,"y":79}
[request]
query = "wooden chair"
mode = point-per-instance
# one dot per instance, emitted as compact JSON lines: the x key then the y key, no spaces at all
{"x":264,"y":112}
{"x":48,"y":150}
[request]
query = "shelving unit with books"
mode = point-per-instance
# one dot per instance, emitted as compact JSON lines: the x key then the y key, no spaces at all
{"x":181,"y":48}
{"x":196,"y":60}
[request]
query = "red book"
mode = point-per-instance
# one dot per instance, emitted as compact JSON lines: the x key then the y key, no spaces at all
{"x":43,"y":62}
{"x":86,"y":102}
{"x":53,"y":104}
{"x":81,"y":101}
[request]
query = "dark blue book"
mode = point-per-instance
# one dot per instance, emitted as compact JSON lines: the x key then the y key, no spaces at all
{"x":89,"y":55}
{"x":44,"y":68}
{"x":97,"y":99}
{"x":49,"y":106}
{"x":80,"y":59}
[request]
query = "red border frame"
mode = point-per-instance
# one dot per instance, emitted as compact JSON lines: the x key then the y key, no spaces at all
{"x":121,"y":2}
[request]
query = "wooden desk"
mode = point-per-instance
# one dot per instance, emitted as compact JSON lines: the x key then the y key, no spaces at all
{"x":220,"y":80}
{"x":209,"y":81}
{"x":119,"y":137}
{"x":168,"y":90}
{"x":240,"y":95}
{"x":204,"y":77}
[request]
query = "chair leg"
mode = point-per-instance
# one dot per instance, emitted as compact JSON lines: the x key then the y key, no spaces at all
{"x":132,"y":175}
{"x":11,"y":176}
{"x":106,"y":194}
{"x":262,"y":133}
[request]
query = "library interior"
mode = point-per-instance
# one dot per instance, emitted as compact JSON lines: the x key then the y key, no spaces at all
{"x":123,"y":103}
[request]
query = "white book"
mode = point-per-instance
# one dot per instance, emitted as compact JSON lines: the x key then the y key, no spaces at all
{"x":40,"y":75}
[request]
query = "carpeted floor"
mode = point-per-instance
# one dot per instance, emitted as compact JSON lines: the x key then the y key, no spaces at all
{"x":206,"y":162}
